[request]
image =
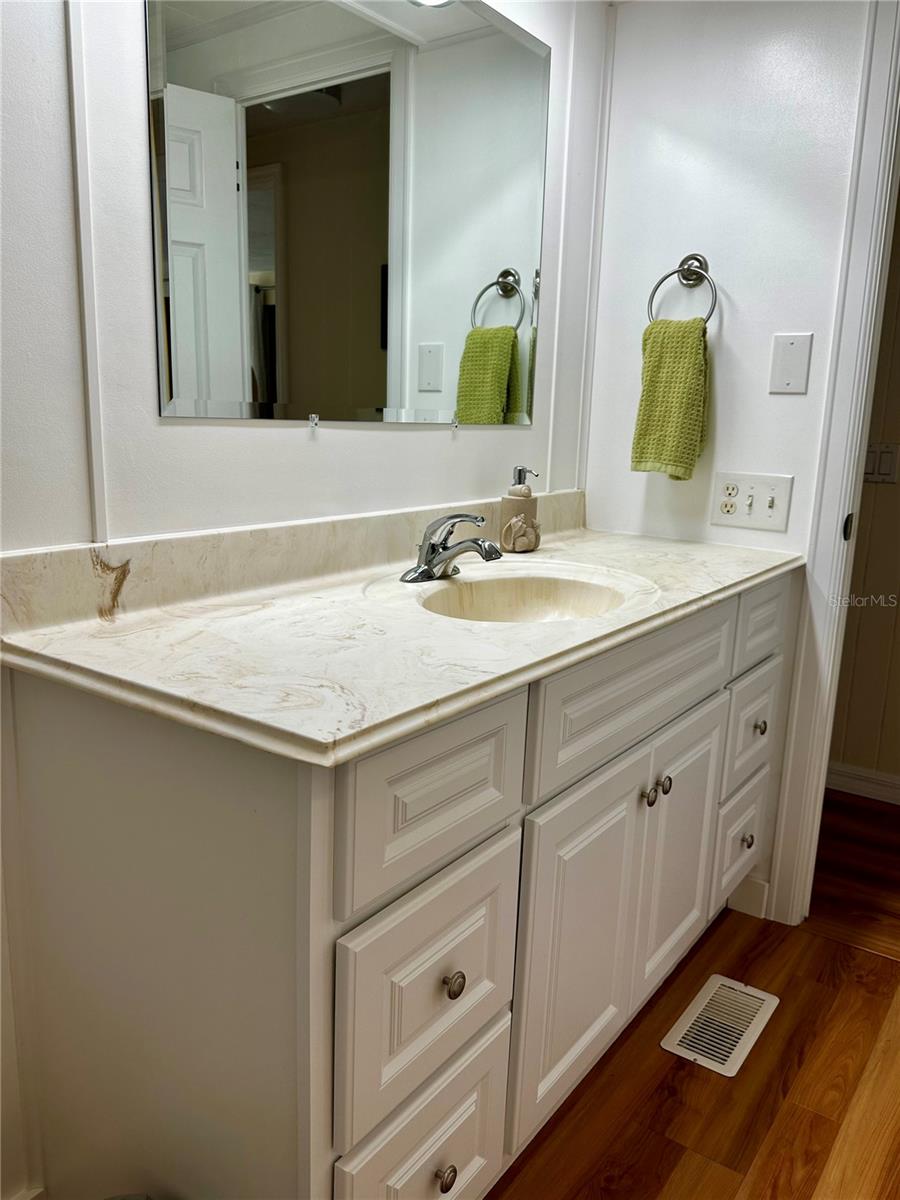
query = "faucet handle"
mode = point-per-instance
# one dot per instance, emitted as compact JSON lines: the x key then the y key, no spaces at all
{"x":440,"y":531}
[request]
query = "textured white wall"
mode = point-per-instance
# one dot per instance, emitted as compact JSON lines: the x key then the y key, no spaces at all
{"x":163,"y":476}
{"x":732,"y":131}
{"x":45,"y":497}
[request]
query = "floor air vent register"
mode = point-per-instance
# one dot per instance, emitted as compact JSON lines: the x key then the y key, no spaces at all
{"x":721,"y":1025}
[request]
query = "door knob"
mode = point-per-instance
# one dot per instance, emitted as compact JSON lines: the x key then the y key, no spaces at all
{"x":447,"y":1178}
{"x":455,"y":985}
{"x":665,"y":784}
{"x":761,"y":727}
{"x":651,"y":796}
{"x":748,"y":841}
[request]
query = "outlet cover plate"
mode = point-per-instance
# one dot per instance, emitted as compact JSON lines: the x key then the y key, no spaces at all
{"x":760,"y":501}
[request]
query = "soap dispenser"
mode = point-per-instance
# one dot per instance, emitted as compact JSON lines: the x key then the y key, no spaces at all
{"x":519,"y":528}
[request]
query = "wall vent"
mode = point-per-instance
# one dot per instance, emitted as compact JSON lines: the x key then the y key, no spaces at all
{"x":720,"y":1026}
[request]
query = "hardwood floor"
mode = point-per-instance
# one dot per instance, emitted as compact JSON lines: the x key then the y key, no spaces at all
{"x":856,"y":892}
{"x":814,"y":1113}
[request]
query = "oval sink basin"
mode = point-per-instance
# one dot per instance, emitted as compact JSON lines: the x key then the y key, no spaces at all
{"x":520,"y":595}
{"x":522,"y":598}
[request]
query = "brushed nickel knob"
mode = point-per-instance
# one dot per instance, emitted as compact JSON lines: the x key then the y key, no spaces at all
{"x":748,"y":840}
{"x":651,"y":796}
{"x":455,"y":985}
{"x":447,"y":1178}
{"x":761,"y":727}
{"x":665,"y":784}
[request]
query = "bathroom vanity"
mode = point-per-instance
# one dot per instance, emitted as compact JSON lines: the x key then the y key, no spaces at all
{"x":316,"y":890}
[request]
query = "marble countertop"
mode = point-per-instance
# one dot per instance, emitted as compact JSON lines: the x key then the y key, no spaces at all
{"x":325,"y":670}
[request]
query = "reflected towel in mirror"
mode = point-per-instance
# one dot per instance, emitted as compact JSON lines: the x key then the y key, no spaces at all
{"x":489,"y":384}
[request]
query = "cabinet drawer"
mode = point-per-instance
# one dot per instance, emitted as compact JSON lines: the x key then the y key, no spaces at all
{"x":582,"y":717}
{"x":762,"y":616}
{"x":456,"y":1121}
{"x":410,"y":807}
{"x":737,"y":839}
{"x":395,"y":1020}
{"x":752,"y":723}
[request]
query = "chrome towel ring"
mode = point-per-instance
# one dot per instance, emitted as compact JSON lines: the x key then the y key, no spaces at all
{"x":691,"y":271}
{"x":507,"y":283}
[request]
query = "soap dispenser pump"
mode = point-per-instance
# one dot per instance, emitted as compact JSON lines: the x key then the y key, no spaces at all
{"x":519,"y":528}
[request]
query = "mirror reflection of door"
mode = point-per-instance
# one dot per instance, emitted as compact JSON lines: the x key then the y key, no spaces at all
{"x":325,"y":254}
{"x":204,"y":253}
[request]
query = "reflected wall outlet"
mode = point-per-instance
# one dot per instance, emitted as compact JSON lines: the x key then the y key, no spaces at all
{"x":752,"y":501}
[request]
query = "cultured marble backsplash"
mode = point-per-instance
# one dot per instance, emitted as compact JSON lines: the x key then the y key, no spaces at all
{"x":71,"y":583}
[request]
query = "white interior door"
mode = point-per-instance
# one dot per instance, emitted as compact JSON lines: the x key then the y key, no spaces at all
{"x":205,"y":295}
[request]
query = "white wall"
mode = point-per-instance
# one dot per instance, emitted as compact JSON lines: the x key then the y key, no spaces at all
{"x":45,"y":497}
{"x":731,"y":133}
{"x":162,"y":476}
{"x":477,"y":158}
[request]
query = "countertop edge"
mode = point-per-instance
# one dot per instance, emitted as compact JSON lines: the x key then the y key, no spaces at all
{"x":316,"y":753}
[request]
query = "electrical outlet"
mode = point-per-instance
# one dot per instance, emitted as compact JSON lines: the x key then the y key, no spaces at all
{"x":752,"y":501}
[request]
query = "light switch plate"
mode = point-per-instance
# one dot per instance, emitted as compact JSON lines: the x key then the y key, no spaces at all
{"x":790,"y":363}
{"x":431,"y":367}
{"x":752,"y":501}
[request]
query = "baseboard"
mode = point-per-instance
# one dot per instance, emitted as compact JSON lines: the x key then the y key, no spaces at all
{"x":750,"y":896}
{"x":31,"y":1194}
{"x":875,"y":785}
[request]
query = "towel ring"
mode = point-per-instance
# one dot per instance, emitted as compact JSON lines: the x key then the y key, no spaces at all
{"x":691,"y":271}
{"x":507,"y":284}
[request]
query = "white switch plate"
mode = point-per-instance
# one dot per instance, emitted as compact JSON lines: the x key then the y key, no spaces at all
{"x":431,"y":367}
{"x":752,"y":501}
{"x":790,"y":363}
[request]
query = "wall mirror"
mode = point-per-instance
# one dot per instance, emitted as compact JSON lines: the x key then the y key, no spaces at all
{"x":342,"y":191}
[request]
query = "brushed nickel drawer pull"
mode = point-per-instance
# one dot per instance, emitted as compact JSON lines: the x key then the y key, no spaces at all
{"x":455,"y":985}
{"x":447,"y":1178}
{"x":761,"y":727}
{"x":651,"y":796}
{"x":665,"y":784}
{"x":748,"y":840}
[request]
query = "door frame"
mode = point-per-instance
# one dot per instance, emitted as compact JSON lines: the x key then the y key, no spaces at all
{"x":872,"y":199}
{"x":343,"y":63}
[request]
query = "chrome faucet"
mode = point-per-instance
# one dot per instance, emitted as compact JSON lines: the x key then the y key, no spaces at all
{"x":436,"y":553}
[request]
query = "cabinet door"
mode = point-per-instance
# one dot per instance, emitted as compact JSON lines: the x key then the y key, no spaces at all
{"x":576,"y":937}
{"x":675,"y":842}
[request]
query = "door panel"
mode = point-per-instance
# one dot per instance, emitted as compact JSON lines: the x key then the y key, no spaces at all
{"x":675,"y":851}
{"x":576,"y":937}
{"x":205,"y":293}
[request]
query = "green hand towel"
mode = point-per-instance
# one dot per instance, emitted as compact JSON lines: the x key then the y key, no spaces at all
{"x":670,"y":431}
{"x":520,"y":413}
{"x":488,"y":376}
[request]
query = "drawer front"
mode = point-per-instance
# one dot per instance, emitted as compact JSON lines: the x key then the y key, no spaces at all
{"x":582,"y":717}
{"x":397,"y":1015}
{"x":738,"y":838}
{"x":454,"y":1124}
{"x":762,"y":616}
{"x":408,"y":808}
{"x":752,"y":723}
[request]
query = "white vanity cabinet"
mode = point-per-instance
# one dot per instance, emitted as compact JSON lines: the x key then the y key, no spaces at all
{"x":380,"y":979}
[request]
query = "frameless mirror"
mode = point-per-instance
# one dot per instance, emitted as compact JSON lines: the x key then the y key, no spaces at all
{"x":341,"y":194}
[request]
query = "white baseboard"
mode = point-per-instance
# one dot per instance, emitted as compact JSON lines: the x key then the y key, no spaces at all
{"x":750,"y":896}
{"x":876,"y":785}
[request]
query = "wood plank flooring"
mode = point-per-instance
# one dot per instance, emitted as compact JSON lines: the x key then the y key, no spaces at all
{"x":856,"y":892}
{"x":814,"y":1114}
